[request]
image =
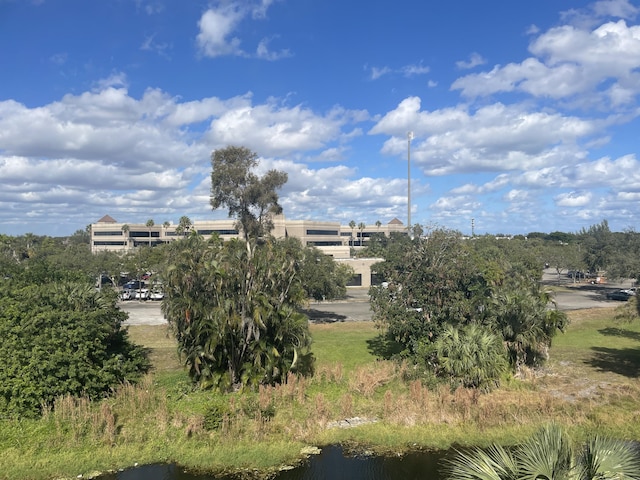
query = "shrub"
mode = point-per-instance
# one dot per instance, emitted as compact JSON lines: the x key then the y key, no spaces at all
{"x":61,"y":340}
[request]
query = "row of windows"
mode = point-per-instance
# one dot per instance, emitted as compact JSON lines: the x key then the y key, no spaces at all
{"x":109,"y":244}
{"x":324,"y":244}
{"x":139,"y":233}
{"x":219,"y":232}
{"x":108,"y":233}
{"x":322,"y":232}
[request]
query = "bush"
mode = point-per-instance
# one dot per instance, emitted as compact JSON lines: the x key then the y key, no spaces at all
{"x":470,"y":356}
{"x":61,"y":340}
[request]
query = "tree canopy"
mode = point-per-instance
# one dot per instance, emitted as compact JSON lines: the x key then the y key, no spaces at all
{"x":58,"y":339}
{"x":251,"y":199}
{"x":454,"y":305}
{"x":236,"y":318}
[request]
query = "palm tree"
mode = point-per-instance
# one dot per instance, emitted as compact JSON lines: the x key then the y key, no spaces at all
{"x":150,"y":223}
{"x":526,"y":324}
{"x":361,"y":227}
{"x":165,"y":227}
{"x":378,"y":224}
{"x":184,"y":226}
{"x":352,"y":224}
{"x":125,"y":231}
{"x":470,"y":356}
{"x":549,"y":455}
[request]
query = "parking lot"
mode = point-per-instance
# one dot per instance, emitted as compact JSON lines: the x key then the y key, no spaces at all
{"x":571,"y":296}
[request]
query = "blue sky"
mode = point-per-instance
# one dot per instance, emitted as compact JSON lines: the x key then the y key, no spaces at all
{"x":524,"y":114}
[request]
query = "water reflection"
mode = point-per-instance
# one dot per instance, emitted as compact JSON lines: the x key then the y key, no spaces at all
{"x":331,"y":464}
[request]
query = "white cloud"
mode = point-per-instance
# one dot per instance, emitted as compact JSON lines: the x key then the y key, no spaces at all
{"x":216,"y":27}
{"x":414,"y":69}
{"x":262,"y":51}
{"x":274,"y":129}
{"x":104,"y":151}
{"x":475,"y":59}
{"x":408,"y":71}
{"x":377,"y":72}
{"x":569,"y":61}
{"x":573,"y":199}
{"x":493,"y":138}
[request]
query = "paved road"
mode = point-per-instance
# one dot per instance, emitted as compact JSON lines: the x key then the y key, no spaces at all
{"x":356,"y":306}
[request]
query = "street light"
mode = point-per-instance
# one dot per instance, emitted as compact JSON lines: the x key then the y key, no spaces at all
{"x":409,"y":138}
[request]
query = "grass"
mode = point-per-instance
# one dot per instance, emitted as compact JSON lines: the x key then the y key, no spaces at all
{"x":590,"y":384}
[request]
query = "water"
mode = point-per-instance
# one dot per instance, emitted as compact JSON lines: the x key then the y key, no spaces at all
{"x":331,"y":464}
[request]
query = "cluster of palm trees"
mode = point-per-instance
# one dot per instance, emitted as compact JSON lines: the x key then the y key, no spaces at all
{"x":361,"y":226}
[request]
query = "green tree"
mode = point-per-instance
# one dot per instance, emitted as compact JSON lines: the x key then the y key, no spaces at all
{"x":236,"y":321}
{"x":549,"y":454}
{"x":352,"y":224}
{"x":150,"y":223}
{"x":469,"y":356}
{"x":61,"y":339}
{"x":184,"y":226}
{"x":234,"y":306}
{"x":526,"y":323}
{"x":430,"y":283}
{"x":321,"y":276}
{"x":252,"y":200}
{"x":598,"y":246}
{"x":125,"y":232}
{"x":361,"y":227}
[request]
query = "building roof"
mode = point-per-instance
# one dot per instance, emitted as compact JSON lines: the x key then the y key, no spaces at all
{"x":395,"y":221}
{"x":107,"y":219}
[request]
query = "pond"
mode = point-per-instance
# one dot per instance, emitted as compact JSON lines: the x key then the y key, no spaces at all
{"x":330,"y":464}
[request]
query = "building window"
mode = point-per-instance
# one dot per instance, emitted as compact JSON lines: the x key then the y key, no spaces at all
{"x":324,"y":244}
{"x":219,"y":232}
{"x":356,"y":281}
{"x":105,"y":233}
{"x":322,"y":232}
{"x":109,"y":244}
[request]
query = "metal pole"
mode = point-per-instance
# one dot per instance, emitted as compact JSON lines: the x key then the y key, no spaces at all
{"x":409,"y":138}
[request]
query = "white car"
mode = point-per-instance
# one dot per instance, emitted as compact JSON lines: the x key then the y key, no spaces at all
{"x":142,"y":294}
{"x":156,"y":295}
{"x":126,"y":295}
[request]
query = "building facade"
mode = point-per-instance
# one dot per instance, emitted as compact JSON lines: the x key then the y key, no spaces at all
{"x":331,"y":238}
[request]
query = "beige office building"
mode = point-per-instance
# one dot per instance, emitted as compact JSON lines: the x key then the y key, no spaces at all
{"x":331,"y":238}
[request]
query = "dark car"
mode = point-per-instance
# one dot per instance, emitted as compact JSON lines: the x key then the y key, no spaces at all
{"x":622,"y":295}
{"x":133,"y":285}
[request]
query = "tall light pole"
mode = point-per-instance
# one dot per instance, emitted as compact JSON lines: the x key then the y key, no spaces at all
{"x":409,"y":138}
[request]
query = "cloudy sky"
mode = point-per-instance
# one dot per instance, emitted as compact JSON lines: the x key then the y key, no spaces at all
{"x":524,"y":114}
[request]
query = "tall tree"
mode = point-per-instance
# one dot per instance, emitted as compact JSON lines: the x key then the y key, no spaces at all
{"x":150,"y":223}
{"x":234,"y":306}
{"x":184,"y":226}
{"x":361,"y":227}
{"x":352,"y":224}
{"x":125,"y":232}
{"x":234,"y":329}
{"x":250,"y":199}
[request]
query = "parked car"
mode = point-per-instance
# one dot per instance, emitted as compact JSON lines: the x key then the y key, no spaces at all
{"x":127,"y":294}
{"x":621,"y":295}
{"x":133,"y":285}
{"x":141,"y":294}
{"x":156,"y":295}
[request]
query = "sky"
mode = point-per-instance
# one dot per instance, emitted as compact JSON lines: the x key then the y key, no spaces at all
{"x":524,"y":115}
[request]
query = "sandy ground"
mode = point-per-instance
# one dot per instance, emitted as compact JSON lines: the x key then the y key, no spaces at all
{"x":356,"y":306}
